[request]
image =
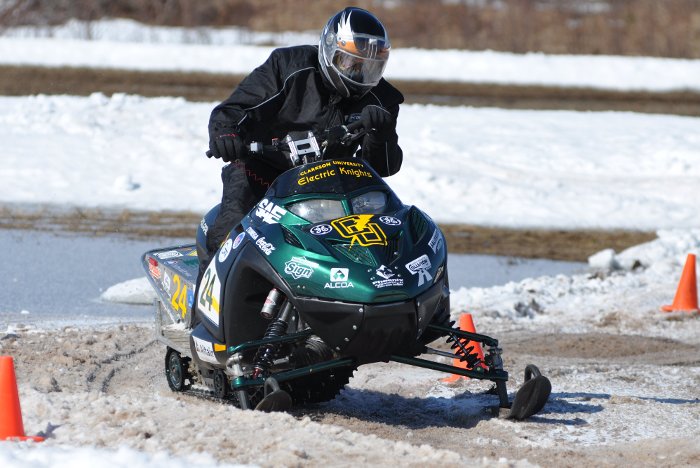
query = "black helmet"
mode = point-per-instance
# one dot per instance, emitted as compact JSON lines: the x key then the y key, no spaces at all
{"x":353,"y":51}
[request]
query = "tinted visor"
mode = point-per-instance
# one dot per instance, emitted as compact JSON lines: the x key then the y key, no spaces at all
{"x":360,"y":70}
{"x":366,"y":46}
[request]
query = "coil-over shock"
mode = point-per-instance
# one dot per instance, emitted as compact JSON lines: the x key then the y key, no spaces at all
{"x":278,"y":327}
{"x":463,"y":352}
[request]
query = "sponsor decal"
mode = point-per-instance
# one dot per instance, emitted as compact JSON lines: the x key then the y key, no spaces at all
{"x":354,"y":172}
{"x":265,"y":246}
{"x":237,"y":241}
{"x":252,"y":233}
{"x":316,"y":173}
{"x":435,"y":241}
{"x":388,"y":278}
{"x":339,"y":274}
{"x":225,"y":250}
{"x":348,"y":163}
{"x":166,"y":283}
{"x":300,"y":267}
{"x":269,"y":212}
{"x":390,"y":220}
{"x":153,"y":268}
{"x":420,"y":267}
{"x":168,"y":254}
{"x":318,"y":176}
{"x":318,"y":167}
{"x":192,"y":253}
{"x":439,"y":271}
{"x":360,"y":230}
{"x":205,"y":350}
{"x":219,"y":347}
{"x":321,"y":229}
{"x":203,"y":225}
{"x":385,"y":272}
{"x":339,"y":279}
{"x":190,"y":299}
{"x":209,"y":293}
{"x":182,"y":266}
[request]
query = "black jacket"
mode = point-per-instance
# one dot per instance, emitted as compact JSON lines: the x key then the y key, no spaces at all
{"x":289,"y":92}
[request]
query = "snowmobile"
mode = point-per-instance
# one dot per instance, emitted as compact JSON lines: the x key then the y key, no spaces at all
{"x":329,"y":271}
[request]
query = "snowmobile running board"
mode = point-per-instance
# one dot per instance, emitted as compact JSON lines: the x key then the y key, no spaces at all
{"x":240,"y":383}
{"x":266,"y":341}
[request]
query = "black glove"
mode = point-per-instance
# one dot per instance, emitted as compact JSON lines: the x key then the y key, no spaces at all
{"x":228,"y":146}
{"x":378,"y":121}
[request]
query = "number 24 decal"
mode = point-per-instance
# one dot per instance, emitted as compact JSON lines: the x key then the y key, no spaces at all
{"x":179,"y":299}
{"x":206,"y":297}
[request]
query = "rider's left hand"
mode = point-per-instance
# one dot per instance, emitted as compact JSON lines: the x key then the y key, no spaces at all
{"x":378,"y":121}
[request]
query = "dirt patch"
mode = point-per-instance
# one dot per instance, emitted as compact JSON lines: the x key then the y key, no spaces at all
{"x":573,"y":245}
{"x":100,"y":222}
{"x":600,"y":346}
{"x":197,"y":86}
{"x":556,"y":244}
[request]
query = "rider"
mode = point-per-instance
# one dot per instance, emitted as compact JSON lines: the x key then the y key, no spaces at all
{"x":305,"y":88}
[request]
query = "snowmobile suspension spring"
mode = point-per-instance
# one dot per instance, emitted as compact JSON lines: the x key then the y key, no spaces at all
{"x":464,"y":352}
{"x":266,"y":353}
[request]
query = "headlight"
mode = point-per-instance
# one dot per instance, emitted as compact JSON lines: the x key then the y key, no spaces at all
{"x":370,"y":202}
{"x":317,"y":210}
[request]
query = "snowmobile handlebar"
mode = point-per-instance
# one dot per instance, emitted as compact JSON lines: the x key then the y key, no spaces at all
{"x":302,"y":147}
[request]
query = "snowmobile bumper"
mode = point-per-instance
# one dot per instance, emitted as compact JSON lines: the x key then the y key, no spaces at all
{"x":373,"y":332}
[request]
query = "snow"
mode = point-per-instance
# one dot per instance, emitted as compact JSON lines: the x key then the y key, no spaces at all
{"x":537,"y":169}
{"x":556,"y":169}
{"x":173,"y":49}
{"x":641,"y":279}
{"x":135,"y":291}
{"x":14,"y":455}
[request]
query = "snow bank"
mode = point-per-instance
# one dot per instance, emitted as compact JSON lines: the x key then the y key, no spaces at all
{"x":462,"y":165}
{"x":111,"y":43}
{"x":135,"y":291}
{"x":628,"y":293}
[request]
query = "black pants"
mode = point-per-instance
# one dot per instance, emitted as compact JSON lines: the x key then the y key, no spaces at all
{"x":237,"y":200}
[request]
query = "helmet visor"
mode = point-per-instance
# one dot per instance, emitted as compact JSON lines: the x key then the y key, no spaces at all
{"x":360,"y":70}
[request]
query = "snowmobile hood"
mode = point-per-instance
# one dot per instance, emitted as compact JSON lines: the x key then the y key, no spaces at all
{"x":338,"y":176}
{"x":392,"y":255}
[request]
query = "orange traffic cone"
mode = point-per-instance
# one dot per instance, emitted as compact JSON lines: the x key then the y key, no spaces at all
{"x":466,"y":323}
{"x":686,"y":299}
{"x":11,"y":426}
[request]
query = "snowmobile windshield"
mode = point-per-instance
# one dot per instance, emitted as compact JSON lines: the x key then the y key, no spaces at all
{"x":338,"y":176}
{"x":316,"y":210}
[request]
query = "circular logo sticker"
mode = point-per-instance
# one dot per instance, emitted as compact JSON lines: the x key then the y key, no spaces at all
{"x":321,"y":229}
{"x":390,"y":220}
{"x":225,"y":250}
{"x":237,"y":241}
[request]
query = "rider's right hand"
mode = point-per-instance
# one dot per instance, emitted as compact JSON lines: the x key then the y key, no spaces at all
{"x":228,"y":146}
